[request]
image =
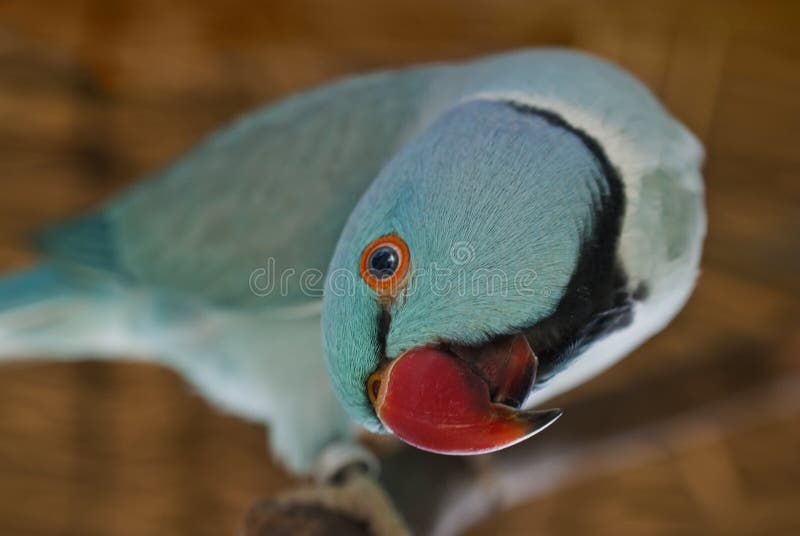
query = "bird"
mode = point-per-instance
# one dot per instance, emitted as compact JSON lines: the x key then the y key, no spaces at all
{"x":431,"y":252}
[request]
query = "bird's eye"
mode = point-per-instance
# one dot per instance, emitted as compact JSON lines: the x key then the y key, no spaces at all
{"x":384,"y":264}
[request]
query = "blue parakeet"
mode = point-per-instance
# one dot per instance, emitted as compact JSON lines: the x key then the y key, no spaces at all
{"x":432,"y":252}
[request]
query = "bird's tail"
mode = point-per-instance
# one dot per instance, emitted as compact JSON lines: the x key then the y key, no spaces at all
{"x":46,"y":312}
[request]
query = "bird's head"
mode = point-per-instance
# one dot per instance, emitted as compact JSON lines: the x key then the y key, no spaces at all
{"x":466,"y":240}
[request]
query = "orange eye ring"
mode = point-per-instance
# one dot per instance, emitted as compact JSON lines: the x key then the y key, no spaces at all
{"x":384,"y":264}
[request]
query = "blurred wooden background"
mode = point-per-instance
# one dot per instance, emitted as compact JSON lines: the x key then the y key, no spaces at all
{"x":95,"y":93}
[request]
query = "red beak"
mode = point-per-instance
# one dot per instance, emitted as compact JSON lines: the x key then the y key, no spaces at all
{"x":450,"y":400}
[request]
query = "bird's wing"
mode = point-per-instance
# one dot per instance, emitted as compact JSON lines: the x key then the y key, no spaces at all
{"x":251,"y":216}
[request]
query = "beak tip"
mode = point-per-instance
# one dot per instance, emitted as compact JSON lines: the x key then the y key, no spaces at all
{"x":537,"y":420}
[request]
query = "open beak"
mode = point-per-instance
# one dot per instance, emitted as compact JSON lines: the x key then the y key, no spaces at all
{"x":460,"y":400}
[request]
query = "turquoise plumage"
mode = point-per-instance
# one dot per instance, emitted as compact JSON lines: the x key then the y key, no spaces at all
{"x":506,"y":156}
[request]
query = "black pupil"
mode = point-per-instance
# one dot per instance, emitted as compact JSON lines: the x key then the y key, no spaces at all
{"x":383,"y":262}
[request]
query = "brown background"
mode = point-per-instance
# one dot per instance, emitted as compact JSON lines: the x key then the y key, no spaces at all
{"x":95,"y":93}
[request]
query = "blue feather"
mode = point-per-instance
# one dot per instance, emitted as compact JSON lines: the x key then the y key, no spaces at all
{"x":88,"y":241}
{"x":30,"y":286}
